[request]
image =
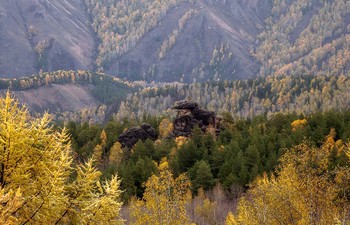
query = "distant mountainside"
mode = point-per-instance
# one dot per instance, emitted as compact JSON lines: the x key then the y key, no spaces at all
{"x":306,"y":37}
{"x":194,"y":41}
{"x":44,"y":35}
{"x":176,"y":40}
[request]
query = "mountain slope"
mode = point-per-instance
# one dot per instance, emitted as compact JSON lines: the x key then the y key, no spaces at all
{"x":306,"y":37}
{"x":193,"y":41}
{"x":176,"y":40}
{"x":70,"y":95}
{"x":44,"y":35}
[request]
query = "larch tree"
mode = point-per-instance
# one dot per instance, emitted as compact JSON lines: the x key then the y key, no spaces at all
{"x":230,"y":219}
{"x":306,"y":190}
{"x":164,"y":200}
{"x":165,"y":128}
{"x":115,"y":154}
{"x":35,"y":175}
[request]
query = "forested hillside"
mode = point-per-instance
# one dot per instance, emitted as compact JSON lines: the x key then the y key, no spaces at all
{"x":263,"y":138}
{"x":176,"y":40}
{"x":220,"y":169}
{"x":70,"y":95}
{"x":201,"y":179}
{"x":305,"y":37}
{"x":96,"y":97}
{"x":246,"y":98}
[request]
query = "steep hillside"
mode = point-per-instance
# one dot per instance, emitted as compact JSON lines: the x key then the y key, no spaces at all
{"x":306,"y":37}
{"x":44,"y":35}
{"x":178,"y":40}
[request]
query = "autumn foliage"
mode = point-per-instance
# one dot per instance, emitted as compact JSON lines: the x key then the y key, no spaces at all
{"x":35,"y":175}
{"x":309,"y":188}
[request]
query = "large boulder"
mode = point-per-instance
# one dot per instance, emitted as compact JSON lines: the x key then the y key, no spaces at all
{"x":189,"y":115}
{"x":133,"y":135}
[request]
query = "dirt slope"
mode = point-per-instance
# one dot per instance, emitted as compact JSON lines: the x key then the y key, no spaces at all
{"x":44,"y":34}
{"x":57,"y":98}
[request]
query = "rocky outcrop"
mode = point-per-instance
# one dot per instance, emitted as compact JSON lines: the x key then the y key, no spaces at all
{"x":190,"y":115}
{"x":133,"y":135}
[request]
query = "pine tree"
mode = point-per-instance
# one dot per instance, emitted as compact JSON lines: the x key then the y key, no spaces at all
{"x":201,"y":176}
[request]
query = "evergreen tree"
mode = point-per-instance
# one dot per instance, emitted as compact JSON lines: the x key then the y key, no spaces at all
{"x":201,"y":176}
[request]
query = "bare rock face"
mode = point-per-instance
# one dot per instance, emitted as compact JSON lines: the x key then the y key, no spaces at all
{"x":191,"y":115}
{"x":133,"y":135}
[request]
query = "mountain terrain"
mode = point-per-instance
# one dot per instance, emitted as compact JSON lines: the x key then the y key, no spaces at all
{"x":40,"y":35}
{"x":175,"y":40}
{"x":165,"y":44}
{"x":214,"y":42}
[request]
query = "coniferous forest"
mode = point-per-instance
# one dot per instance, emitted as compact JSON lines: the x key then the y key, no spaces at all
{"x":291,"y":167}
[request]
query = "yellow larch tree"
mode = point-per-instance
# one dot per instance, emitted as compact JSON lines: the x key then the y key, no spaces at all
{"x":164,"y":201}
{"x":230,"y":219}
{"x":115,"y":153}
{"x":165,"y":128}
{"x":35,"y":175}
{"x":298,"y":124}
{"x":98,"y":149}
{"x":305,"y":191}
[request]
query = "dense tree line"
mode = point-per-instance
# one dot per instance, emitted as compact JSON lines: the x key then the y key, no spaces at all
{"x":245,"y":150}
{"x":107,"y":89}
{"x":246,"y":98}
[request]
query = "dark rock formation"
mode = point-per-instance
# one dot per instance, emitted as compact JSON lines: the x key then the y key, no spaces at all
{"x":185,"y":105}
{"x":133,"y":135}
{"x":191,"y":115}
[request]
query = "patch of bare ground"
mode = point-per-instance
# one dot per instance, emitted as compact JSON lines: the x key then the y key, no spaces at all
{"x":58,"y":98}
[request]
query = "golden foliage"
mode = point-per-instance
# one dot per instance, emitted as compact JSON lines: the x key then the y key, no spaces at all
{"x":305,"y":191}
{"x":298,"y":124}
{"x":164,"y":200}
{"x":165,"y":127}
{"x":230,"y":219}
{"x":35,"y":171}
{"x":115,"y":153}
{"x":180,"y":140}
